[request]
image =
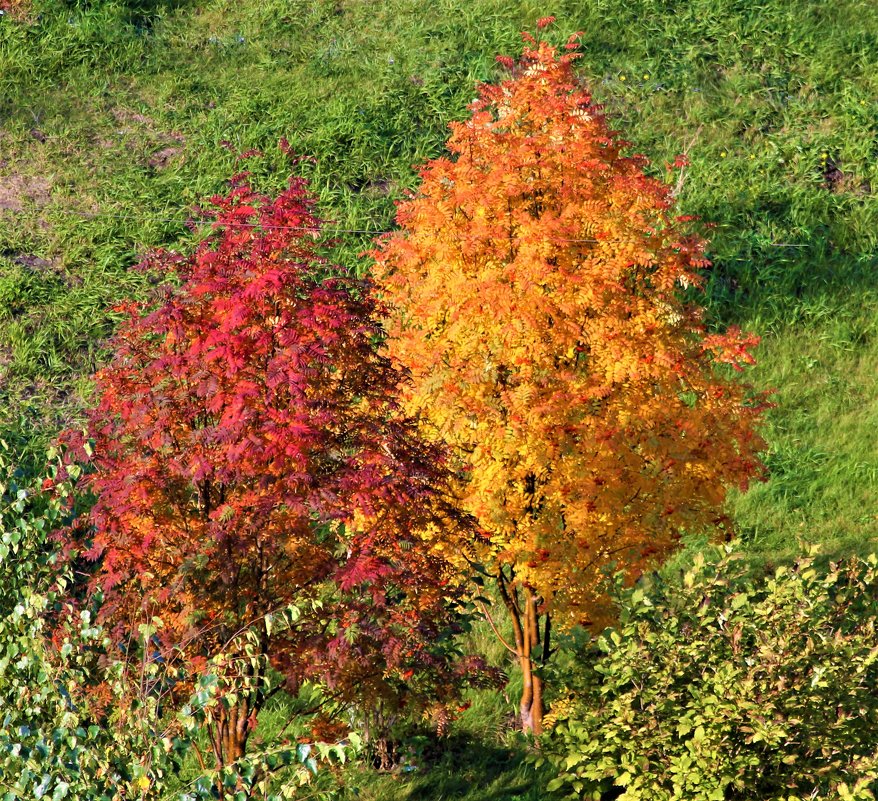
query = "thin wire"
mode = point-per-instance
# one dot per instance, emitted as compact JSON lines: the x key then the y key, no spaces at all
{"x":313,"y":228}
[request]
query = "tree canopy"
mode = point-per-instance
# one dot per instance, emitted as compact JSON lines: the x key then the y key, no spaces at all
{"x":247,"y":455}
{"x":539,"y":294}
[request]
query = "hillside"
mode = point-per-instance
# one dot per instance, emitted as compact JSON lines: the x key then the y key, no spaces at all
{"x":116,"y":118}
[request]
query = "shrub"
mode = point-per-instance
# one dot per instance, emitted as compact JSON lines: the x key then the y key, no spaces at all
{"x":725,"y":688}
{"x":50,"y":742}
{"x":77,"y":725}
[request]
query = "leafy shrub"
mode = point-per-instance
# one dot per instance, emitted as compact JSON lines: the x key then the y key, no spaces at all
{"x":726,"y":688}
{"x":50,"y":742}
{"x":76,"y":725}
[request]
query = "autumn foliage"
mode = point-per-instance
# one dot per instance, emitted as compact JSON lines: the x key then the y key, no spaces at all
{"x":248,"y":454}
{"x":15,"y":8}
{"x":537,"y":288}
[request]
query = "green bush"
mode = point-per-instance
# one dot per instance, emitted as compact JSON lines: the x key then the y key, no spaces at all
{"x":75,"y":724}
{"x":51,"y":744}
{"x":726,"y":688}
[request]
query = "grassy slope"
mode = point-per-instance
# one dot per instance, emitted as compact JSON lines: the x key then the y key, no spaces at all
{"x":115,"y":119}
{"x":121,"y":111}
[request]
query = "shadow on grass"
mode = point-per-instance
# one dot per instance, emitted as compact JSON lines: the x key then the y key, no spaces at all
{"x":459,"y":768}
{"x":143,"y":14}
{"x":783,"y":259}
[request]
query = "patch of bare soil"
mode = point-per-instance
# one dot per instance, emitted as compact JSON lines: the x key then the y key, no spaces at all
{"x":166,"y":146}
{"x":838,"y":182}
{"x":18,"y":191}
{"x":126,"y":116}
{"x":164,"y":157}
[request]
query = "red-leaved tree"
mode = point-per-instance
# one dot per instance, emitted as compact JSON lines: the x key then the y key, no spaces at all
{"x":247,"y":454}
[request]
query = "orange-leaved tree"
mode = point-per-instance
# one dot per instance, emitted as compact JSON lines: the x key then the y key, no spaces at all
{"x":536,"y":285}
{"x":254,"y":473}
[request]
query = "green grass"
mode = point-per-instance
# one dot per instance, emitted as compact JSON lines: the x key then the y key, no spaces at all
{"x":116,"y":118}
{"x":823,"y":455}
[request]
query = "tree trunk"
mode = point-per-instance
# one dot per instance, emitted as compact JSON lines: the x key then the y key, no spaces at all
{"x":526,"y":628}
{"x":532,"y":691}
{"x":231,"y":730}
